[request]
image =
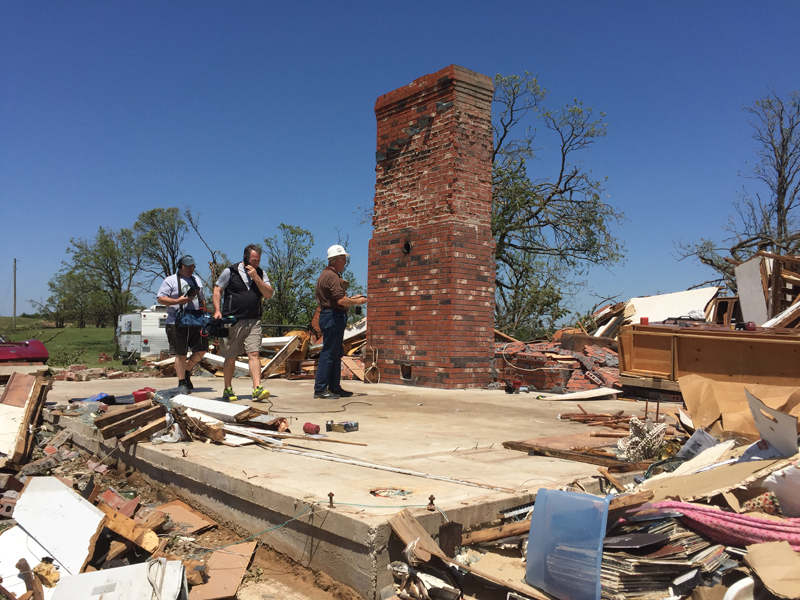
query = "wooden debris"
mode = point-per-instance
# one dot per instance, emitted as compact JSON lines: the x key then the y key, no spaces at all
{"x":408,"y":529}
{"x":132,"y":421}
{"x":225,"y":570}
{"x":144,"y":432}
{"x":132,"y":531}
{"x":281,"y":356}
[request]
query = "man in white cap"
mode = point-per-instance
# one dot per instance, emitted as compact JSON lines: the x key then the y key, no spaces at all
{"x":184,"y":290}
{"x":333,"y":304}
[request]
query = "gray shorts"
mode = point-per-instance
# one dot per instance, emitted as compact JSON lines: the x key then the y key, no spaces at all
{"x":243,"y":337}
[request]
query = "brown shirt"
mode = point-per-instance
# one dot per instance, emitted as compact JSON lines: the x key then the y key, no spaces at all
{"x":330,"y":289}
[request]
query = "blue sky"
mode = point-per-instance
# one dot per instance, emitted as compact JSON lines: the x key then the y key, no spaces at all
{"x":259,"y":113}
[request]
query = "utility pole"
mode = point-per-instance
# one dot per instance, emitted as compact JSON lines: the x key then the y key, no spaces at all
{"x":14,"y":317}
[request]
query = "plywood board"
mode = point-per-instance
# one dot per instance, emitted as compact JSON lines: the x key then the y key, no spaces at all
{"x":225,"y":569}
{"x":18,"y":389}
{"x":65,"y":524}
{"x":185,"y":518}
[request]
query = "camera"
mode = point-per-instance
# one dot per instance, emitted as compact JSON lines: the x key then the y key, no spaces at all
{"x":218,"y":328}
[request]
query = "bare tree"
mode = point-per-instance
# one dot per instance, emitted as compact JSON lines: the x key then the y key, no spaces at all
{"x":767,"y":222}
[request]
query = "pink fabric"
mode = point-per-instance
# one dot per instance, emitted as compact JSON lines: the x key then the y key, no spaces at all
{"x":734,"y":529}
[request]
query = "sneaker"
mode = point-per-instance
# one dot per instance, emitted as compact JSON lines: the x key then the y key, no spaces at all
{"x":182,"y":387}
{"x":188,"y":381}
{"x":259,"y":394}
{"x":342,"y":393}
{"x":326,"y":395}
{"x":228,"y":395}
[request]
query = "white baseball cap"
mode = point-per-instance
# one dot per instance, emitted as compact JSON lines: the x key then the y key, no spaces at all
{"x":336,"y":250}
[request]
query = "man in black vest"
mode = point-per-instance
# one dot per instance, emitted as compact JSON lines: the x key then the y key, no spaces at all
{"x":245,"y":284}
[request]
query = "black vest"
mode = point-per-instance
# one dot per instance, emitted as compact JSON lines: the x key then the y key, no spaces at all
{"x":239,"y":301}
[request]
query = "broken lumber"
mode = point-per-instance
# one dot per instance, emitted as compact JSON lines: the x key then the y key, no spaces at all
{"x":115,"y":414}
{"x":132,"y":421}
{"x":408,"y":529}
{"x":155,"y":520}
{"x":281,"y":356}
{"x":132,"y":531}
{"x":144,"y":432}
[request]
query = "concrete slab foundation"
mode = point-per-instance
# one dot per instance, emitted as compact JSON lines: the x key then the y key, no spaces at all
{"x":284,"y":498}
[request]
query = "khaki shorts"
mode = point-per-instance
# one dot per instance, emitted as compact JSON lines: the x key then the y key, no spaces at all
{"x":243,"y":337}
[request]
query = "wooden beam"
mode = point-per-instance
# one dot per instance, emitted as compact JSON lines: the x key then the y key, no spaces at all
{"x":155,"y":521}
{"x":614,"y":465}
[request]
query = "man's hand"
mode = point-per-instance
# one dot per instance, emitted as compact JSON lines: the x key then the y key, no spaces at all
{"x":251,"y":272}
{"x":183,"y":301}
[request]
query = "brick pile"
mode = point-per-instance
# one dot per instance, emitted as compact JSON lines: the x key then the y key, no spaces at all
{"x":547,"y":367}
{"x":83,"y":373}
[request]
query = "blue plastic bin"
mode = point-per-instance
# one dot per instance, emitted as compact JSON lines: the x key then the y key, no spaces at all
{"x":565,"y":547}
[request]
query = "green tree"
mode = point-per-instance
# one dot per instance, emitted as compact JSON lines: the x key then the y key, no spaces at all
{"x":161,"y":232}
{"x":549,"y":228}
{"x":293,"y":275}
{"x":766,"y":223}
{"x":111,"y":265}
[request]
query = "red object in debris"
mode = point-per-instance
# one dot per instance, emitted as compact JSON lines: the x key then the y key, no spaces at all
{"x":27,"y":351}
{"x":311,"y":428}
{"x":751,"y":326}
{"x":142,"y":394}
{"x":645,"y":320}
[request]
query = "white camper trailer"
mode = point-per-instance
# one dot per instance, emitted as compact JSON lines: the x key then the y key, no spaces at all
{"x":143,"y":332}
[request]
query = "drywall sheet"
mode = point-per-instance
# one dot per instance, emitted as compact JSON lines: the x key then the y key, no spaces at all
{"x":127,"y":583}
{"x":666,"y":306}
{"x":10,"y":419}
{"x":14,"y":545}
{"x":751,"y":291}
{"x":65,"y":524}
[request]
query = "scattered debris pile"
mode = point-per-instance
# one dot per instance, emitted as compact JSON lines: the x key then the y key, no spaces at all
{"x":548,"y":367}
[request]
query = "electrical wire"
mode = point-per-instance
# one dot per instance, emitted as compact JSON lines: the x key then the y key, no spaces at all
{"x":308,"y":412}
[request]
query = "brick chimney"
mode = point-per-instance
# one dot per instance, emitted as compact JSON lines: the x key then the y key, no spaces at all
{"x":431,"y":257}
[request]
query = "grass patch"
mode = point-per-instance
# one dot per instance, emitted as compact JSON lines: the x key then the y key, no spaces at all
{"x":70,"y":345}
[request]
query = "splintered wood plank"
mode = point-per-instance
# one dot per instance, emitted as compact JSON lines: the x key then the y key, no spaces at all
{"x":354,"y":366}
{"x":613,"y":465}
{"x":155,"y":521}
{"x":132,"y":421}
{"x":225,"y":568}
{"x":281,"y":356}
{"x":33,"y":410}
{"x":132,"y":531}
{"x":144,"y":432}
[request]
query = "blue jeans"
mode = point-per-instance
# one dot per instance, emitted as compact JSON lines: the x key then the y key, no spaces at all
{"x":329,"y":367}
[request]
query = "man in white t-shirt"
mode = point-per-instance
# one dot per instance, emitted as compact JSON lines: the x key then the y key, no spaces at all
{"x":184,"y":289}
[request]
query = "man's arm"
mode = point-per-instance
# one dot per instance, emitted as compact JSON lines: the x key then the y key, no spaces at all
{"x":347,"y":301}
{"x":165,"y":293}
{"x":264,"y":288}
{"x":216,"y":298}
